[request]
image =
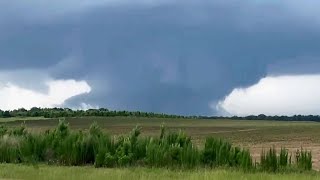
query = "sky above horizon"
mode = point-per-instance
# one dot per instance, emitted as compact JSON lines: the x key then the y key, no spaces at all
{"x":207,"y":57}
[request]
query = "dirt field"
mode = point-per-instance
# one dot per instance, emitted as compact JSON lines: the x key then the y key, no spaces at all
{"x":254,"y":135}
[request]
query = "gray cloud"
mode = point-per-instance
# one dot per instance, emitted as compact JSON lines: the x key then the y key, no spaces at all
{"x":173,"y":57}
{"x":298,"y":65}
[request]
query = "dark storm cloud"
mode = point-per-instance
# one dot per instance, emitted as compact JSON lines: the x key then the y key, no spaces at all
{"x":298,"y":65}
{"x":171,"y":57}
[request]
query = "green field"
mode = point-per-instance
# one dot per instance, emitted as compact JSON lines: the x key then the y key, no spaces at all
{"x":254,"y":135}
{"x":9,"y":171}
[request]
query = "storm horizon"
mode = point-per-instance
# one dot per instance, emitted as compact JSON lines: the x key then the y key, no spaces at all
{"x":178,"y":57}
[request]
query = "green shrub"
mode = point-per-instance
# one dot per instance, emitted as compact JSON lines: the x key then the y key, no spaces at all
{"x":110,"y":160}
{"x":32,"y":148}
{"x":221,"y":153}
{"x":10,"y":149}
{"x":3,"y":130}
{"x":283,"y":158}
{"x":245,"y":160}
{"x":100,"y":158}
{"x":304,"y":159}
{"x":235,"y":156}
{"x":170,"y":150}
{"x":269,"y":160}
{"x":95,"y":129}
{"x":62,"y":130}
{"x":189,"y":156}
{"x":19,"y":131}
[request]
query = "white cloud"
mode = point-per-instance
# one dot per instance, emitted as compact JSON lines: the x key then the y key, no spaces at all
{"x":13,"y":96}
{"x":36,"y":88}
{"x":85,"y":106}
{"x":275,"y":95}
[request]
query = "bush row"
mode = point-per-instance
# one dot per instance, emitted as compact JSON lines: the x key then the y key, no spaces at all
{"x":170,"y":150}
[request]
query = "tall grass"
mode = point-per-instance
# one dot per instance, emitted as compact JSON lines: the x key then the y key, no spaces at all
{"x":170,"y":149}
{"x":218,"y":152}
{"x":304,"y":159}
{"x":269,"y":160}
{"x":274,"y":162}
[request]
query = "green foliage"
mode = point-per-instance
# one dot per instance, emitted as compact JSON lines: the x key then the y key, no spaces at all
{"x":269,"y":160}
{"x":66,"y":112}
{"x":221,"y":153}
{"x":9,"y":149}
{"x":95,"y":129}
{"x":304,"y":159}
{"x":110,"y":160}
{"x":103,"y":112}
{"x":19,"y":131}
{"x":190,"y":156}
{"x":170,"y":150}
{"x":3,"y":130}
{"x":100,"y":158}
{"x":162,"y":131}
{"x":272,"y":162}
{"x":284,"y":160}
{"x":157,"y":153}
{"x":245,"y":160}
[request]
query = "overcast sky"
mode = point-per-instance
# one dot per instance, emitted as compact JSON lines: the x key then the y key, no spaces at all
{"x":191,"y":57}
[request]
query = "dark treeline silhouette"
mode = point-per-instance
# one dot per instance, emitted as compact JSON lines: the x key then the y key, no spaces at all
{"x":269,"y":118}
{"x":103,"y":112}
{"x":66,"y":112}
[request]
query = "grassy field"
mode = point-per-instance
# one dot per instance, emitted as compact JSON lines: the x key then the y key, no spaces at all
{"x":9,"y":171}
{"x":12,"y":119}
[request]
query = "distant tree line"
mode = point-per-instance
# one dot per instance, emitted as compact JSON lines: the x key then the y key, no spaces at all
{"x":103,"y":112}
{"x":269,"y":118}
{"x":66,"y":112}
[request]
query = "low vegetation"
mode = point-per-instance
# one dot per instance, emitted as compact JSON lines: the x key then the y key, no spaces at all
{"x":32,"y":172}
{"x":103,"y":112}
{"x":61,"y":146}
